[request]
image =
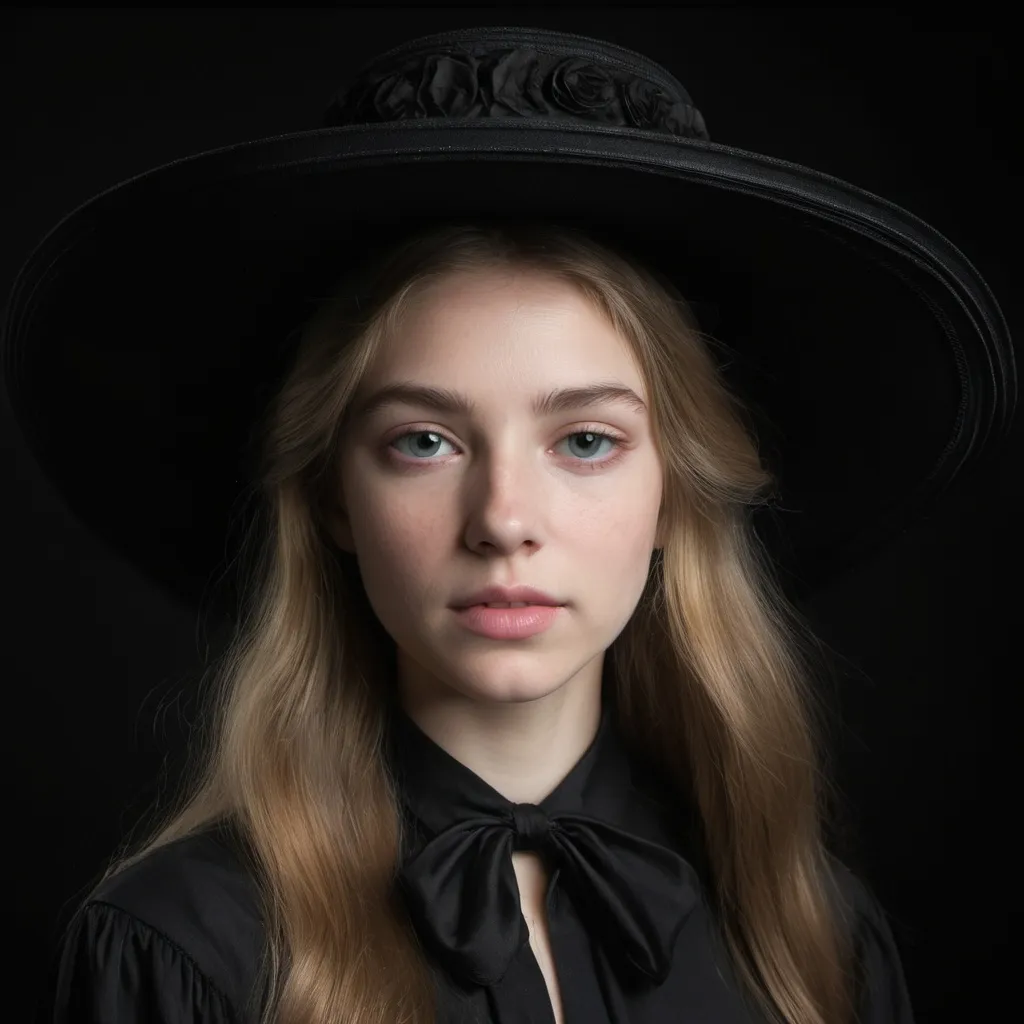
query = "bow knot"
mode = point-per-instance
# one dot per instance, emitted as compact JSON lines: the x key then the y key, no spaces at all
{"x":531,"y":826}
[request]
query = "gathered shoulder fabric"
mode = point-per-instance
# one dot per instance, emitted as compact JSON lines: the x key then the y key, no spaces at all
{"x":174,"y":939}
{"x":116,"y":969}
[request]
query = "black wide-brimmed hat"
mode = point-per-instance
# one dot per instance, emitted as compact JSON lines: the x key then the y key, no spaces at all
{"x":147,"y":332}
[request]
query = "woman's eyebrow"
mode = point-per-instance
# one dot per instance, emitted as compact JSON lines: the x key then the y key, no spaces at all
{"x":446,"y":400}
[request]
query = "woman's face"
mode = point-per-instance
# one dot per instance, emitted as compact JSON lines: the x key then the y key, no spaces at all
{"x":438,"y":504}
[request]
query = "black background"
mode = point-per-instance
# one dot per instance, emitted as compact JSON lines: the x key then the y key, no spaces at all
{"x":99,"y":669}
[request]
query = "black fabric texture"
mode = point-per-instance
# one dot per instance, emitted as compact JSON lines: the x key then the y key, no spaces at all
{"x":177,"y":938}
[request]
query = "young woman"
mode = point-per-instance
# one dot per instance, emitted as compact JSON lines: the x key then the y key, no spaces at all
{"x":517,"y":722}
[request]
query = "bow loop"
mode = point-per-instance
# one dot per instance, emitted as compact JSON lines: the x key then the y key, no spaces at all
{"x":633,"y":893}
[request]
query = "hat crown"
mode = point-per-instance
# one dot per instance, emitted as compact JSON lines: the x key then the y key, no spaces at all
{"x":494,"y":73}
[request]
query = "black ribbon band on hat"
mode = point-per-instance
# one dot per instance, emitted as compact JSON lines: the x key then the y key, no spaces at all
{"x":634,"y":895}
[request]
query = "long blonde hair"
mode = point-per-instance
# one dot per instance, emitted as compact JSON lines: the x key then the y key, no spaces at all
{"x":716,"y":676}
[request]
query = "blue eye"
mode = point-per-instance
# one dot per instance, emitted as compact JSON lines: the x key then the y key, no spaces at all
{"x":419,"y":434}
{"x":592,"y":439}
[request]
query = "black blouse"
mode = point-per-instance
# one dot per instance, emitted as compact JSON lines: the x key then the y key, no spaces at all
{"x":176,"y":938}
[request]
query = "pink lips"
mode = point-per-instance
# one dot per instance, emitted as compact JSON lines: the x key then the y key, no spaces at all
{"x":507,"y":595}
{"x":508,"y":623}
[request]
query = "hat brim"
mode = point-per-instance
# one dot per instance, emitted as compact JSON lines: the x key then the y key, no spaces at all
{"x":148,"y":330}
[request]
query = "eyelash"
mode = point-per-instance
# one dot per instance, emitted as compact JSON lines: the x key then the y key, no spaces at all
{"x":617,"y":452}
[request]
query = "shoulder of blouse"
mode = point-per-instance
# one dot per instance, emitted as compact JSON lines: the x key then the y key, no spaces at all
{"x":881,"y":985}
{"x":197,"y":894}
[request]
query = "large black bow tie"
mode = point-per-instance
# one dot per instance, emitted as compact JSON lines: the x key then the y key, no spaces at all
{"x":633,"y":895}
